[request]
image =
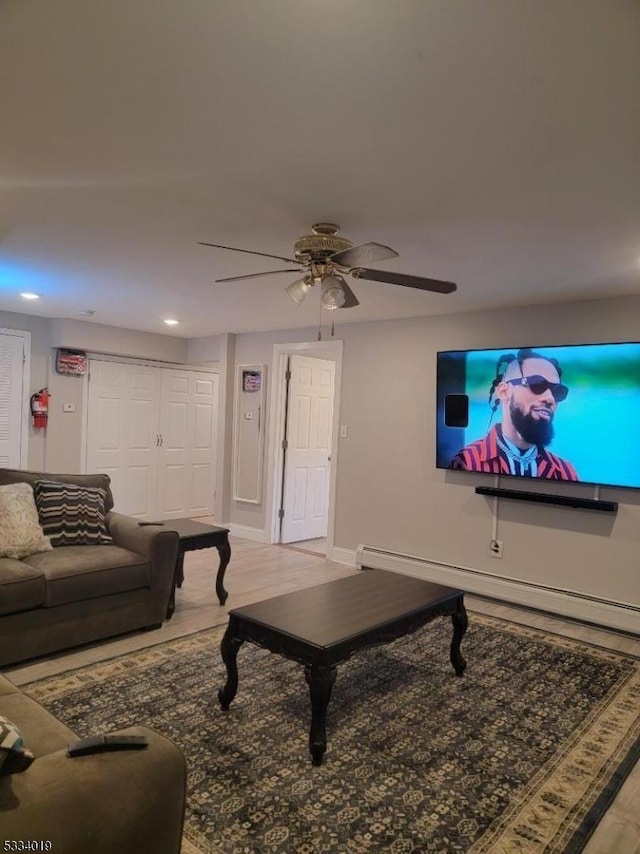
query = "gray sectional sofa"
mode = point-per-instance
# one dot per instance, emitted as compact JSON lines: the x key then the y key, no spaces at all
{"x":125,"y":801}
{"x":76,"y":594}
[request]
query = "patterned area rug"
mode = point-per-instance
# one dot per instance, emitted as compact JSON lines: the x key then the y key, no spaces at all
{"x":524,"y":753}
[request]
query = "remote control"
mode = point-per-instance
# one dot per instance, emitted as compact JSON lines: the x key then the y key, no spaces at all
{"x":106,"y":743}
{"x":146,"y":524}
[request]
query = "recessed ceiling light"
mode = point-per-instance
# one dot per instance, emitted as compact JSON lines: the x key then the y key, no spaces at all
{"x":29,"y":295}
{"x":170,"y":322}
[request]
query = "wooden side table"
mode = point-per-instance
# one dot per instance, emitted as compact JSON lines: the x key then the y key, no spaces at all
{"x":196,"y":535}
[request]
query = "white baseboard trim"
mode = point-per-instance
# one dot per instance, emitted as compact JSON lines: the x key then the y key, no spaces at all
{"x":346,"y":556}
{"x":616,"y":615}
{"x":258,"y":535}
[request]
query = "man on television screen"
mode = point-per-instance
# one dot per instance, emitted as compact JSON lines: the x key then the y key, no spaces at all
{"x":528,"y":387}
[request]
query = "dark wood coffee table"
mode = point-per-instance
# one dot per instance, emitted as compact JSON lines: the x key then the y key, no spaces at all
{"x":322,"y":626}
{"x":197,"y":535}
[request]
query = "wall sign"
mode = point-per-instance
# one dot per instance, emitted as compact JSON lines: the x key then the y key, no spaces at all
{"x":251,"y":380}
{"x":71,"y":363}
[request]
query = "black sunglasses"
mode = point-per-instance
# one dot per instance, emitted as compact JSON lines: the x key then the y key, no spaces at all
{"x":539,"y":385}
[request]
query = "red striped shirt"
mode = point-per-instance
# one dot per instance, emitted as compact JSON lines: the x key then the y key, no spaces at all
{"x":485,"y":455}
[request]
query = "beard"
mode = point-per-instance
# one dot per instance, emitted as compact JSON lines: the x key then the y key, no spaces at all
{"x":535,"y":431}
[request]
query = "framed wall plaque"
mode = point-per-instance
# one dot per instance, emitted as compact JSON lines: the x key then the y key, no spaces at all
{"x":249,"y":427}
{"x":71,"y":363}
{"x":251,"y":380}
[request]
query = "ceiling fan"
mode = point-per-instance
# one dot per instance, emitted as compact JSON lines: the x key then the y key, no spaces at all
{"x":325,"y":258}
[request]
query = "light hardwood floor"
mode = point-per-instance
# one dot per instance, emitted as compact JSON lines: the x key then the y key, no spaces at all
{"x":260,"y":571}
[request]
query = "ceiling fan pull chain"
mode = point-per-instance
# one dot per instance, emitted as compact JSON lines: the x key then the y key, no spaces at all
{"x":320,"y":323}
{"x":332,"y":326}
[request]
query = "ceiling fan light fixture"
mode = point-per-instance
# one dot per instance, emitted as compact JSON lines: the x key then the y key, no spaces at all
{"x":299,"y":289}
{"x":333,"y":295}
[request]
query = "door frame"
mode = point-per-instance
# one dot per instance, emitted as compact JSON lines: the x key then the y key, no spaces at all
{"x":277,"y":408}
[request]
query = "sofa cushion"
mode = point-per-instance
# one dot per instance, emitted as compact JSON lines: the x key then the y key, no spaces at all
{"x":23,"y":476}
{"x":72,"y":515}
{"x":22,"y":587}
{"x":14,"y":756}
{"x":20,"y":530}
{"x":77,"y":573}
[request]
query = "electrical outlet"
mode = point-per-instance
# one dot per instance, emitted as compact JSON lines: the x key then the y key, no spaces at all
{"x":495,"y":548}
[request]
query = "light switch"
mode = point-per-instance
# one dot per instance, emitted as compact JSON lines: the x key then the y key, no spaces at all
{"x":68,"y":407}
{"x":343,"y":431}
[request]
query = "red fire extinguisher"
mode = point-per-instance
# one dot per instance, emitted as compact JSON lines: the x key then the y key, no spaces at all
{"x":40,"y":407}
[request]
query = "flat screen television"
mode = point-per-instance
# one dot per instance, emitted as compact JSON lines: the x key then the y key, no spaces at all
{"x":569,"y":413}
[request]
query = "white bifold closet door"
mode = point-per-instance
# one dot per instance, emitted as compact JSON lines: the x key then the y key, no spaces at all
{"x":188,"y":420}
{"x":11,"y":399}
{"x":153,"y":431}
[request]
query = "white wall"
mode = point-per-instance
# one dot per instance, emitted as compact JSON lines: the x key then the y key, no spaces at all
{"x":98,"y":338}
{"x":59,"y":447}
{"x":207,"y":350}
{"x":389,"y":493}
{"x":414,"y":508}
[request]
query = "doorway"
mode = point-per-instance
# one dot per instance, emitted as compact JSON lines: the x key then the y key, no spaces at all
{"x":304,"y":444}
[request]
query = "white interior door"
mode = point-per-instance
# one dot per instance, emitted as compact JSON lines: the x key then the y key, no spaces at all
{"x":11,"y":399}
{"x":186,"y":465}
{"x":307,"y":459}
{"x":122,"y":433}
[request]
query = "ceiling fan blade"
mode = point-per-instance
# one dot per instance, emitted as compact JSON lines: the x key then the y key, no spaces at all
{"x":364,"y":254}
{"x":436,"y":285}
{"x":248,"y":252}
{"x":351,"y":300}
{"x":255,"y":275}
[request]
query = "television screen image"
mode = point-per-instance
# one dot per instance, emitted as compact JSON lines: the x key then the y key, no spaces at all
{"x":569,"y":413}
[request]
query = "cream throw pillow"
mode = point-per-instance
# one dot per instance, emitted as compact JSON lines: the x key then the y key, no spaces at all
{"x":20,"y":532}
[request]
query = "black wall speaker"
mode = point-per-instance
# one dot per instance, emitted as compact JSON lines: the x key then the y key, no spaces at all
{"x":456,"y":410}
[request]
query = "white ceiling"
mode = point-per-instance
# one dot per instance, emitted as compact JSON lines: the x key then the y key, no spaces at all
{"x":494,"y":144}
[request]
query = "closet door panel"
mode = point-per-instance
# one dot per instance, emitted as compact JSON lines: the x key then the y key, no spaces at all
{"x":139,"y":485}
{"x":174,"y":492}
{"x":174,"y":432}
{"x":201,"y":480}
{"x":186,"y":473}
{"x":203,"y":426}
{"x":152,"y":430}
{"x":174,"y":426}
{"x":203,"y":443}
{"x":108,"y":417}
{"x":122,"y":433}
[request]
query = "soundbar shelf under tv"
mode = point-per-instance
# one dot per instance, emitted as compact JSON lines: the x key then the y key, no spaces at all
{"x":541,"y":498}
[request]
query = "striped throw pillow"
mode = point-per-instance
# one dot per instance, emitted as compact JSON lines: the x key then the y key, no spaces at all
{"x":71,"y":515}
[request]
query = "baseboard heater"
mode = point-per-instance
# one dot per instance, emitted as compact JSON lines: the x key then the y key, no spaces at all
{"x":566,"y":603}
{"x":542,"y":498}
